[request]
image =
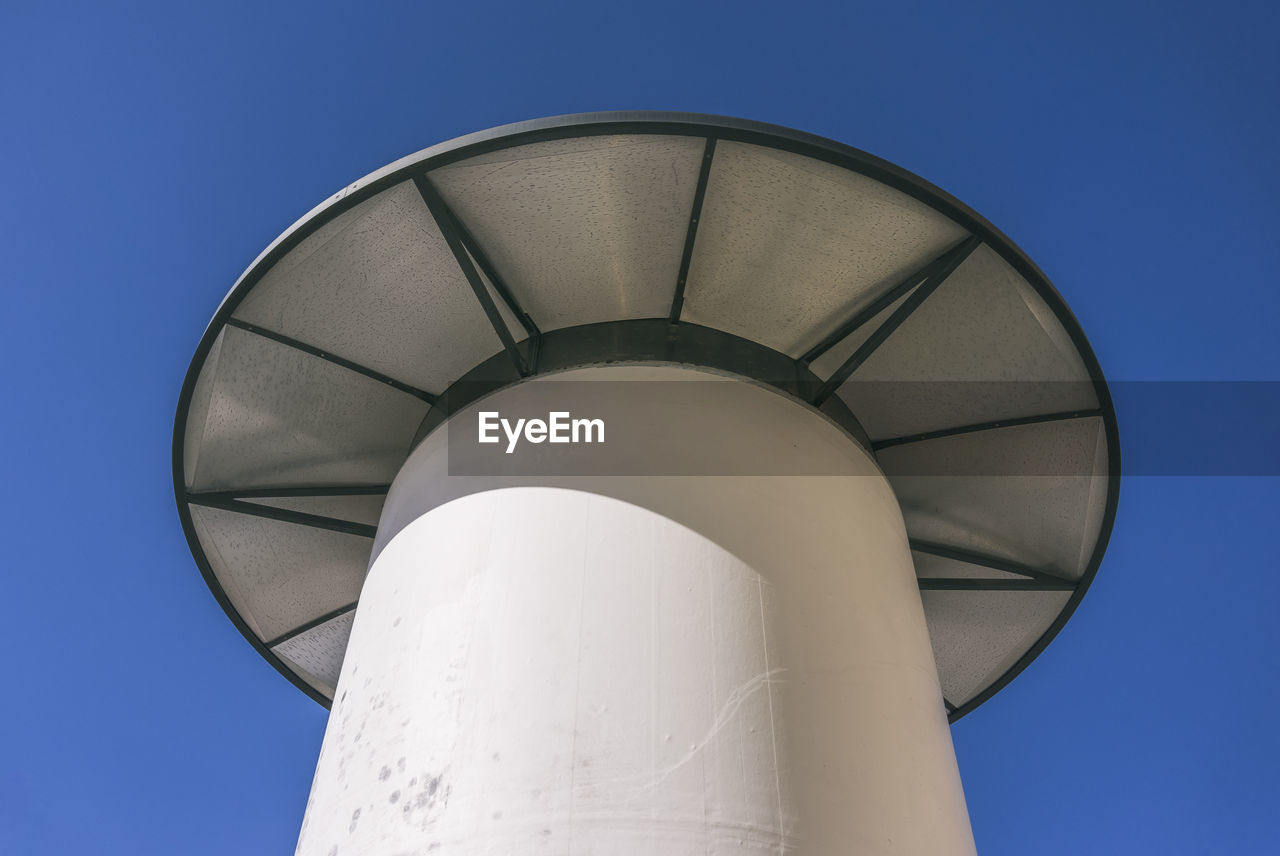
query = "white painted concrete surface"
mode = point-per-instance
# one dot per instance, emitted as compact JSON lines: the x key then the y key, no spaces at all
{"x":643,"y":665}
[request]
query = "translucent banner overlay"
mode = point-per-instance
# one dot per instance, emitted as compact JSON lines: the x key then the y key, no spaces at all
{"x":1001,"y":428}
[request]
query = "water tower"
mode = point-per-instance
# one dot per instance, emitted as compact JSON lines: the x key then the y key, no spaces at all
{"x":846,"y":465}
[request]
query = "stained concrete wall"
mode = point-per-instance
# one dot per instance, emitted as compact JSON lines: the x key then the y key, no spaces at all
{"x":643,"y":664}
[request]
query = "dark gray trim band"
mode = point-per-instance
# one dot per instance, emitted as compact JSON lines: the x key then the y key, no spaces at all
{"x":647,"y":341}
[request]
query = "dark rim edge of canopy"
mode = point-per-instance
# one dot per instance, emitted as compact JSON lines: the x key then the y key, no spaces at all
{"x":654,"y":123}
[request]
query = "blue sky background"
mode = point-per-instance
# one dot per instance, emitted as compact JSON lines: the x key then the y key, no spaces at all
{"x":152,"y":150}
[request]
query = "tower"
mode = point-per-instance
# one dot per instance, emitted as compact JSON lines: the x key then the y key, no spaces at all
{"x":856,"y":466}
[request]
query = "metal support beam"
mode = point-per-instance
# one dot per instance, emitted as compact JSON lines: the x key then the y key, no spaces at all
{"x":486,"y":266}
{"x":983,"y":426}
{"x":939,"y":271}
{"x":1047,"y":578}
{"x":333,"y":358}
{"x":285,"y":492}
{"x":285,"y":515}
{"x":964,"y":584}
{"x":452,"y":231}
{"x":686,"y":257}
{"x":877,"y":306}
{"x":311,"y":625}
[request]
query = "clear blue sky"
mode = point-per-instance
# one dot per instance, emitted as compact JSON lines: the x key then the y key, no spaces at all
{"x":152,"y":150}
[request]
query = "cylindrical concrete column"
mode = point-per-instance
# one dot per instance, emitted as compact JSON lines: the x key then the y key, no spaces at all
{"x":624,"y":665}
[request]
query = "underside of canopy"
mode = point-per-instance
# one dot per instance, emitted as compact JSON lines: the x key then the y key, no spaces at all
{"x":833,"y":276}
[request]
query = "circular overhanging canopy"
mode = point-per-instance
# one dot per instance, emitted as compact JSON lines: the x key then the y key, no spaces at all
{"x":830,"y":274}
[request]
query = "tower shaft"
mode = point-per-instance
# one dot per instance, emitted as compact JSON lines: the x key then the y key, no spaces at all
{"x":623,"y":664}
